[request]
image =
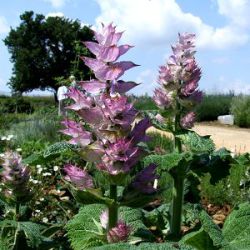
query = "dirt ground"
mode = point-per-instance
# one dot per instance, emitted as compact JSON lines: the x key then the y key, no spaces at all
{"x":237,"y":140}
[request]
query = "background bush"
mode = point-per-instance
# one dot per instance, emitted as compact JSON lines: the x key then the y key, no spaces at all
{"x":214,"y":105}
{"x":15,"y":105}
{"x":240,"y":108}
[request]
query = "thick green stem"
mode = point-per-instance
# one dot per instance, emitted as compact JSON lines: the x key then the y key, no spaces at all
{"x":113,"y":209}
{"x":17,"y":212}
{"x":177,"y":201}
{"x":176,"y":214}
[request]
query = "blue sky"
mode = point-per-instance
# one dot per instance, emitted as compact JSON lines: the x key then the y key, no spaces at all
{"x":222,"y":28}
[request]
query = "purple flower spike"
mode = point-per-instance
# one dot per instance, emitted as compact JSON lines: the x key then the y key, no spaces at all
{"x":188,"y":120}
{"x":78,"y":177}
{"x":120,"y":157}
{"x":138,"y":134}
{"x":93,"y":87}
{"x":76,"y":131}
{"x":122,"y":87}
{"x":15,"y":175}
{"x":119,"y":233}
{"x":162,"y":98}
{"x":81,"y":101}
{"x":144,"y":180}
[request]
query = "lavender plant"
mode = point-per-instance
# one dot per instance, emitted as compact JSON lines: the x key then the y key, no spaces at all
{"x":108,"y":135}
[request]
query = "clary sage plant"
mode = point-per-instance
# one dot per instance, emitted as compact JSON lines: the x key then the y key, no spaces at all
{"x":176,"y":98}
{"x":108,"y":135}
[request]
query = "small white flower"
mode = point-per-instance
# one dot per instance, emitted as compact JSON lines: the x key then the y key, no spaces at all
{"x":9,"y":137}
{"x":55,"y":168}
{"x":41,"y":199}
{"x":39,"y":171}
{"x":38,"y":202}
{"x":38,"y":166}
{"x":18,"y":149}
{"x":1,"y":155}
{"x":45,"y":219}
{"x":46,"y":174}
{"x":37,"y":211}
{"x":35,"y":181}
{"x":3,"y":138}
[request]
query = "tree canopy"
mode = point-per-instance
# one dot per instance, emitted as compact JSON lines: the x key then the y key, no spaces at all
{"x":43,"y":49}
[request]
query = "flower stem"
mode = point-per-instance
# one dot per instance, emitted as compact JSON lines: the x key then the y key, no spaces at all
{"x":177,"y":201}
{"x":113,"y":209}
{"x":176,"y":214}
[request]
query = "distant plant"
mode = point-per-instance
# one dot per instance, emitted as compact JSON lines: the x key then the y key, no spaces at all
{"x":15,"y":105}
{"x":17,"y":231}
{"x":240,"y":108}
{"x":213,"y":105}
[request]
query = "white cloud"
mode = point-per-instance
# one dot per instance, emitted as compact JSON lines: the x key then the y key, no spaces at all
{"x":57,"y":3}
{"x":54,"y":14}
{"x":156,"y":22}
{"x":4,"y":27}
{"x":238,"y":86}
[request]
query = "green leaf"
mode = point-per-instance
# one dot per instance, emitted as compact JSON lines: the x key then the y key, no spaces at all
{"x":169,"y":161}
{"x":208,"y":237}
{"x":164,"y":127}
{"x":196,"y":143}
{"x":34,"y":159}
{"x":81,"y":229}
{"x":59,"y":148}
{"x":134,"y":217}
{"x":146,"y":246}
{"x":90,"y":196}
{"x":32,"y":233}
{"x":236,"y":228}
{"x":52,"y":230}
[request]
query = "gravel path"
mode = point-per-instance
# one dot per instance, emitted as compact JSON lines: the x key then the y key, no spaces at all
{"x":237,"y":140}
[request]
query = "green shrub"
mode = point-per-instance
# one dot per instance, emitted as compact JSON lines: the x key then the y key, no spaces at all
{"x":214,"y":105}
{"x":6,"y":120}
{"x":143,"y":102}
{"x":240,"y":108}
{"x":15,"y":105}
{"x":43,"y":128}
{"x":231,"y":190}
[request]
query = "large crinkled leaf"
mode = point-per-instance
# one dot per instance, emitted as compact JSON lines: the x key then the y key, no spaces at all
{"x":59,"y":148}
{"x":220,"y":164}
{"x":196,"y":143}
{"x":236,"y":228}
{"x":134,"y":217}
{"x":32,"y":233}
{"x":217,"y":164}
{"x":208,"y":237}
{"x":146,"y":246}
{"x":169,"y":161}
{"x":83,"y":233}
{"x":81,"y":229}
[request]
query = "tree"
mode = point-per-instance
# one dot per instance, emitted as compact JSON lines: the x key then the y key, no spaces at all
{"x":43,"y":49}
